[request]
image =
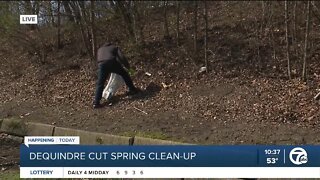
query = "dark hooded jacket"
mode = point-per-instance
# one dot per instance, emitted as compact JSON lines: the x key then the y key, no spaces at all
{"x":110,"y":52}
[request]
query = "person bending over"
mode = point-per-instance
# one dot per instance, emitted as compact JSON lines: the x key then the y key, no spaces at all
{"x":111,"y":60}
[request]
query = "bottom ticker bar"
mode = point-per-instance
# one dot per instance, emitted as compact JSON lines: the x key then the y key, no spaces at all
{"x":169,"y":172}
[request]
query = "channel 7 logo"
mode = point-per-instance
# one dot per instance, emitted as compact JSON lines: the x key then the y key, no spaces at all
{"x":298,"y":156}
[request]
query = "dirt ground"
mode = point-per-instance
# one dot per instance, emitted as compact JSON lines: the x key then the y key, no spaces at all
{"x":205,"y":109}
{"x":214,"y":108}
{"x":9,"y":155}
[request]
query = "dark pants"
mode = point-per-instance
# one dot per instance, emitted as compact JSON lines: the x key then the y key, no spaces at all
{"x":105,"y":68}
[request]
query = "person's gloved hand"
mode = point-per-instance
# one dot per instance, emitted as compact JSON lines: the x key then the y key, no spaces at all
{"x":131,"y":71}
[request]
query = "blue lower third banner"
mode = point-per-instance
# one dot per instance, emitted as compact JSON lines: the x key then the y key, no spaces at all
{"x":182,"y":161}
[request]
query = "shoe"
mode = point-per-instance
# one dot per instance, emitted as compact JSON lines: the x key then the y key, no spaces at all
{"x":96,"y":106}
{"x":133,"y":92}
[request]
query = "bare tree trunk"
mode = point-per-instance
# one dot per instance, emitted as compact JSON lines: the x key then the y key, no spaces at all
{"x":27,"y":6}
{"x":294,"y":21}
{"x":315,"y":9}
{"x":137,"y":22}
{"x":258,"y":45}
{"x":263,"y":15}
{"x":36,"y":7}
{"x":316,"y":12}
{"x":42,"y":53}
{"x":304,"y":69}
{"x":206,"y":35}
{"x":84,"y":39}
{"x":68,"y":11}
{"x":287,"y":40}
{"x":263,"y":6}
{"x":311,"y":43}
{"x":195,"y":29}
{"x":294,"y":32}
{"x":35,"y":10}
{"x":272,"y":33}
{"x":51,"y":13}
{"x":127,"y":17}
{"x":166,"y":27}
{"x":80,"y":20}
{"x":92,"y":29}
{"x":134,"y":20}
{"x":178,"y":22}
{"x":86,"y":22}
{"x":59,"y":25}
{"x":141,"y":26}
{"x":76,"y":18}
{"x":29,"y":10}
{"x":273,"y":46}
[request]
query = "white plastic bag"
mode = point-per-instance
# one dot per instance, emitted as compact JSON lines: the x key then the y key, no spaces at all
{"x":114,"y":83}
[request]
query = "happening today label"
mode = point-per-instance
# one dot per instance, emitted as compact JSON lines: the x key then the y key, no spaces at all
{"x":46,"y":140}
